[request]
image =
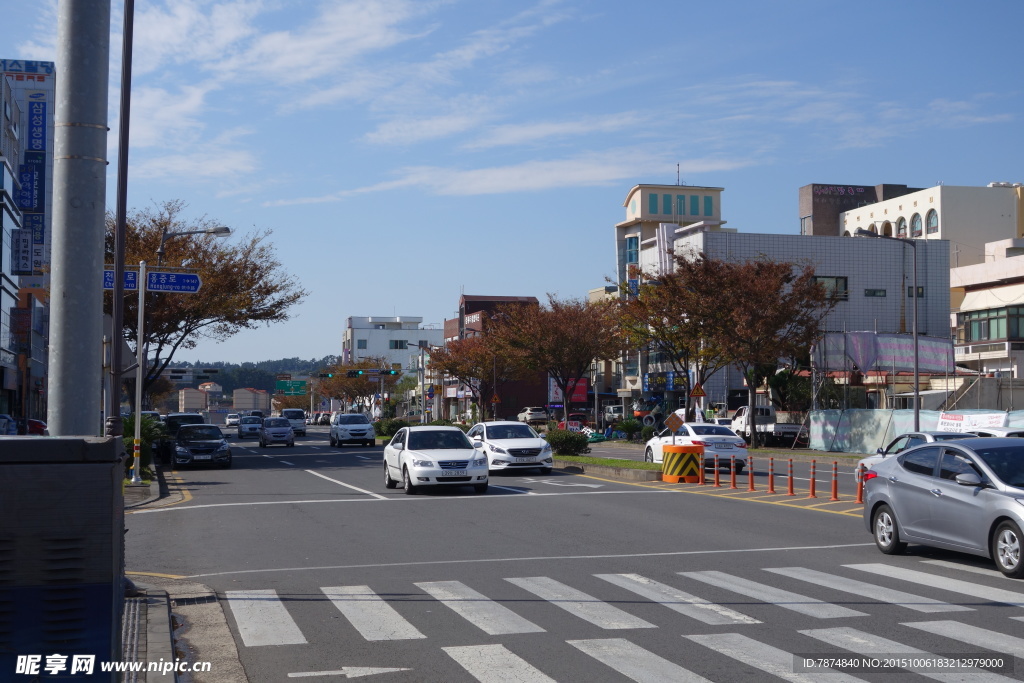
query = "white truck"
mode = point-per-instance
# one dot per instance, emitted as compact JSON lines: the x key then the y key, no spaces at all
{"x":768,"y":428}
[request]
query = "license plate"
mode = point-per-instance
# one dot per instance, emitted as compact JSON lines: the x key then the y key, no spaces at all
{"x":723,"y":445}
{"x":524,"y":460}
{"x":201,"y":457}
{"x":454,"y":473}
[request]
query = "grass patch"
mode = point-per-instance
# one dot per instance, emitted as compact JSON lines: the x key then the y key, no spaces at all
{"x":610,"y":462}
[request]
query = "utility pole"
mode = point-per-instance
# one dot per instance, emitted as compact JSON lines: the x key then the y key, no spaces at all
{"x":79,"y":189}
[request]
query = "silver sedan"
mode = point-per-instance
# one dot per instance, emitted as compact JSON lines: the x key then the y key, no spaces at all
{"x":966,"y":496}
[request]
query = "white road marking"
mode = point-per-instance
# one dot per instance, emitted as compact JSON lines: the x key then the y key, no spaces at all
{"x":677,"y":600}
{"x":374,"y":618}
{"x":513,"y":489}
{"x":973,"y":635}
{"x":347,"y":672}
{"x":869,"y":590}
{"x":765,"y":657}
{"x":476,"y":608}
{"x":967,"y":568}
{"x":262,"y":618}
{"x":634,"y":662}
{"x":364,"y":457}
{"x":869,"y":644}
{"x":576,"y":602}
{"x":354,"y":488}
{"x":288,"y":463}
{"x":776,"y":596}
{"x":495,"y":664}
{"x":555,"y":482}
{"x":956,"y":585}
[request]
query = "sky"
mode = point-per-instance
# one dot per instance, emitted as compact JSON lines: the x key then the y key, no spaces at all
{"x":405,"y":152}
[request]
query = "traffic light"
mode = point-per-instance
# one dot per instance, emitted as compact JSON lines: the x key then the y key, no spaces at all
{"x":385,"y":371}
{"x":328,"y":374}
{"x":353,"y":373}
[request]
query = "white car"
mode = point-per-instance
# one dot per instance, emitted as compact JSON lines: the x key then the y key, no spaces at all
{"x":432,"y":455}
{"x":902,"y":443}
{"x":352,"y":428}
{"x":232,"y":420}
{"x":716,"y":440}
{"x":511,"y":445}
{"x":297,"y":418}
{"x":250,"y":425}
{"x":533,"y":415}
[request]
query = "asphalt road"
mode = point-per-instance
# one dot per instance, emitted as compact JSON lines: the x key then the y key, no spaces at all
{"x":324,"y":574}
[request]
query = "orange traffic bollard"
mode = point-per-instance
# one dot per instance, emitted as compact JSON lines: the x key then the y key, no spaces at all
{"x":732,"y":472}
{"x":718,"y":483}
{"x":812,"y":494}
{"x":789,"y":476}
{"x":750,"y":474}
{"x":860,"y":484}
{"x":700,"y":473}
{"x":771,"y":475}
{"x":835,"y":480}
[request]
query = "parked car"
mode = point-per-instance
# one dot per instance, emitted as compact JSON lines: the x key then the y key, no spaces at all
{"x":574,"y":421}
{"x":904,"y":442}
{"x":297,"y":418}
{"x":172,"y":423}
{"x":232,"y":420}
{"x":352,"y":428}
{"x":769,"y":429}
{"x":34,"y":428}
{"x":957,"y":495}
{"x":249,"y":426}
{"x":432,"y":455}
{"x":511,"y":445}
{"x":716,"y":440}
{"x":152,"y":415}
{"x":998,"y":431}
{"x":537,"y":414}
{"x":277,"y":430}
{"x":325,"y":419}
{"x":201,"y":444}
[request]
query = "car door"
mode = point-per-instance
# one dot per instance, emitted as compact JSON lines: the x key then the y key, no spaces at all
{"x":910,"y":485}
{"x":957,"y":512}
{"x":392,"y":452}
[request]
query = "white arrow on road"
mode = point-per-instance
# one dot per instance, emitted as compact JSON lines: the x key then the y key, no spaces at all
{"x":347,"y":672}
{"x":560,"y":483}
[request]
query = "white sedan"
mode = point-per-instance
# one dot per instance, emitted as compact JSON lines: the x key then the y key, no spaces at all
{"x":511,"y":445}
{"x":716,"y":440}
{"x":433,"y":456}
{"x":904,"y":442}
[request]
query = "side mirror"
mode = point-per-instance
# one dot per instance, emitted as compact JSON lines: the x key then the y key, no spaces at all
{"x":880,"y":452}
{"x":968,"y":479}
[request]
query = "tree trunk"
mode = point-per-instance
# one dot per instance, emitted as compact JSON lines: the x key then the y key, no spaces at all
{"x":752,"y":415}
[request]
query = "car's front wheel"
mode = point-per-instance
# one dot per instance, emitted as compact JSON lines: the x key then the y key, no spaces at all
{"x":545,"y":471}
{"x":334,"y":441}
{"x":1006,"y":542}
{"x":370,"y":444}
{"x":407,"y":484}
{"x":389,"y":483}
{"x":480,"y":488}
{"x":226,"y":464}
{"x":649,"y":455}
{"x":887,"y":533}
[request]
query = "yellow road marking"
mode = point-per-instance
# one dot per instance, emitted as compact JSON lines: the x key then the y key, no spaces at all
{"x":161,"y":576}
{"x":175,"y":482}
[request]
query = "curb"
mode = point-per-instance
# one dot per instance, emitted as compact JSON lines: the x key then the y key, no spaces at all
{"x":624,"y":473}
{"x":154,"y":490}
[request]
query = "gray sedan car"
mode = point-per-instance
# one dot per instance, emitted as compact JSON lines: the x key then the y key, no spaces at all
{"x":964,"y":496}
{"x":277,"y":430}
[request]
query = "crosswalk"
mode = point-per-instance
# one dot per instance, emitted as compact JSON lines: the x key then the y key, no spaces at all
{"x":265,"y":618}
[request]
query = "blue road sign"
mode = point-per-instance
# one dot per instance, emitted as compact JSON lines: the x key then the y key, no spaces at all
{"x":188,"y":283}
{"x":131,"y":280}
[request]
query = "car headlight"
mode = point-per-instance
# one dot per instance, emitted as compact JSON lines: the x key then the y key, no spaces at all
{"x":422,"y":463}
{"x":223,"y":447}
{"x":480,"y":462}
{"x":545,"y":447}
{"x":181,"y":450}
{"x":500,"y":451}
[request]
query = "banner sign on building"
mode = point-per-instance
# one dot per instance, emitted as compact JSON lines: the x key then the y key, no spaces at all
{"x":962,"y":422}
{"x":36,"y":125}
{"x":21,"y":326}
{"x":21,"y":251}
{"x":885,"y":352}
{"x":578,"y":391}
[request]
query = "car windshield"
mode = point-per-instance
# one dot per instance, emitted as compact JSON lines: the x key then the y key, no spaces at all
{"x":1006,"y":461}
{"x":438,"y":440}
{"x":711,"y":430}
{"x":516,"y":431}
{"x":276,"y":422}
{"x":353,"y":420}
{"x":293,"y":414}
{"x":198,"y":432}
{"x":251,"y":420}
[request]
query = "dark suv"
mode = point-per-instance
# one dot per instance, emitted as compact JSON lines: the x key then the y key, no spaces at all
{"x":172,"y":422}
{"x":201,"y":444}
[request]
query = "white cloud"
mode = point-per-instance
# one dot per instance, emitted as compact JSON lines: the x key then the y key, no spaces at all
{"x":203,"y":163}
{"x":519,"y":134}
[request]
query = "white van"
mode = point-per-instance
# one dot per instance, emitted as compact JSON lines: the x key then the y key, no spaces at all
{"x":297,"y":418}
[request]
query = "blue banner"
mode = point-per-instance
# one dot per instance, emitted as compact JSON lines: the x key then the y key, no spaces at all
{"x":36,"y":127}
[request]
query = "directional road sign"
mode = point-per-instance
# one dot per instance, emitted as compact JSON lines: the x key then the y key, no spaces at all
{"x":293,"y":387}
{"x":186,"y":283}
{"x":131,"y":280}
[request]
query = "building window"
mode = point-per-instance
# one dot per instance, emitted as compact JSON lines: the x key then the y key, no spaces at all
{"x":915,"y":225}
{"x":632,"y":250}
{"x":990,"y":325}
{"x":910,"y":292}
{"x":874,"y":292}
{"x":632,"y":207}
{"x":398,"y":344}
{"x":933,"y":222}
{"x":681,"y":204}
{"x":652,"y":203}
{"x":709,"y":205}
{"x":666,"y":204}
{"x":835,"y":287}
{"x":360,"y":343}
{"x":694,"y":205}
{"x":901,"y":227}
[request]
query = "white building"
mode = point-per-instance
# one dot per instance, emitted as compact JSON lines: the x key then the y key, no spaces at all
{"x":398,"y":339}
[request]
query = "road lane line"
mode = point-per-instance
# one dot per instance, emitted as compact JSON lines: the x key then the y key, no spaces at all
{"x":354,"y":488}
{"x":995,"y":573}
{"x":634,"y":662}
{"x":374,"y":618}
{"x":476,"y":608}
{"x":868,"y":644}
{"x":495,"y":664}
{"x":775,"y":596}
{"x":942,"y":583}
{"x":769,"y":659}
{"x":288,"y":463}
{"x":678,"y":601}
{"x":263,"y":619}
{"x":973,"y":635}
{"x":869,"y":590}
{"x":513,"y":489}
{"x":586,"y":607}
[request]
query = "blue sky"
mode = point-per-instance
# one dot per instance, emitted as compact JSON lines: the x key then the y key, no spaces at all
{"x":404,"y":152}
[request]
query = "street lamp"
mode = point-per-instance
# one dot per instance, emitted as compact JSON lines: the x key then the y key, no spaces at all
{"x":861,"y":232}
{"x":219,"y":231}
